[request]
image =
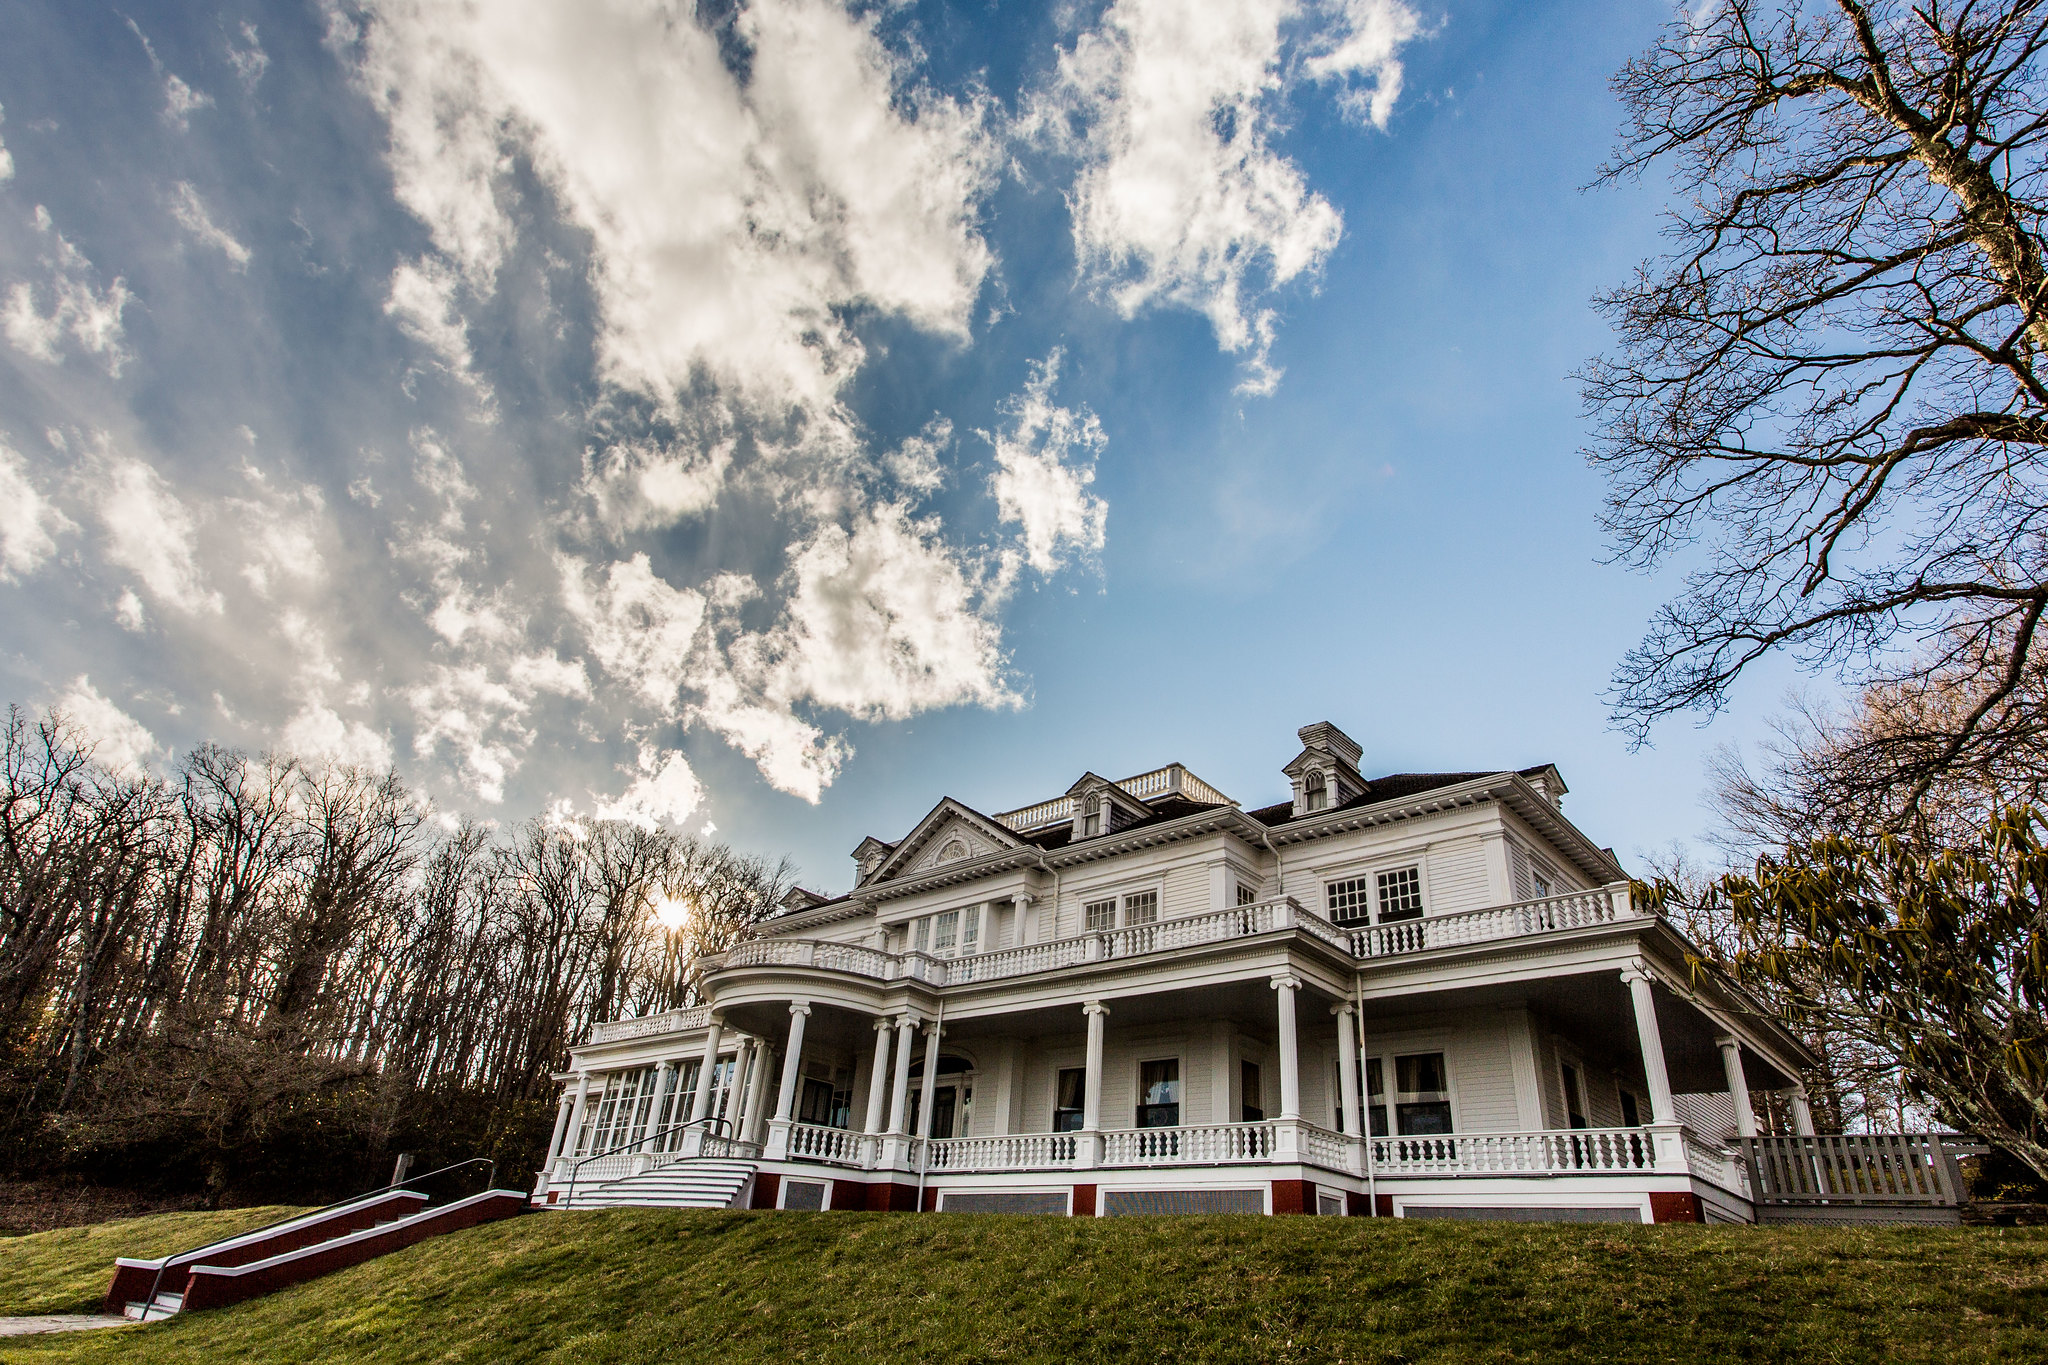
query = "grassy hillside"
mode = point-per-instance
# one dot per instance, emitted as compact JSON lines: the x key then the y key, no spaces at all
{"x":645,"y":1285}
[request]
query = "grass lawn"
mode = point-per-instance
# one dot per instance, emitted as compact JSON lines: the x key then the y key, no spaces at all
{"x":67,"y":1271}
{"x":643,"y":1285}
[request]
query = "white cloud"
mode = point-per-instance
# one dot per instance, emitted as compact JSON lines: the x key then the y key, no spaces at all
{"x":642,"y":486}
{"x":1180,"y":197}
{"x":151,"y":534}
{"x":249,"y":61}
{"x":6,"y":159}
{"x":641,"y":630}
{"x":91,"y":317}
{"x":180,"y":99}
{"x":319,"y":736}
{"x":665,"y":791}
{"x":422,"y":300}
{"x":730,"y":225}
{"x":128,"y":612}
{"x":193,"y":217}
{"x":29,"y":524}
{"x":116,"y":738}
{"x":879,"y":624}
{"x":1045,"y":461}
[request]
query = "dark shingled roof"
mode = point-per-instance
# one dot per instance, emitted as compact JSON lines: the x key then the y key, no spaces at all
{"x":1392,"y":787}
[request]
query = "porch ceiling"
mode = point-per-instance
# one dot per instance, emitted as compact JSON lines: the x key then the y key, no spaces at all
{"x":1249,"y":1004}
{"x":1596,"y":1007}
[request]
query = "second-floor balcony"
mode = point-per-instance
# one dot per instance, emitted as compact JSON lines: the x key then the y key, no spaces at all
{"x":1363,"y":942}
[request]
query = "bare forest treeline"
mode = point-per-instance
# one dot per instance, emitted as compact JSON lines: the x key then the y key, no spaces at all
{"x":252,"y":977}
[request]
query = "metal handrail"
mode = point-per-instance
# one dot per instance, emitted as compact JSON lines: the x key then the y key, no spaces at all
{"x":710,"y":1121}
{"x":165,"y":1264}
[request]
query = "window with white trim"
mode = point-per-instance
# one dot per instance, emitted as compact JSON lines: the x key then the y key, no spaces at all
{"x":1400,"y":894}
{"x":1315,"y":795}
{"x":947,"y":932}
{"x":1141,"y":907}
{"x":1099,"y":917}
{"x":1247,"y":895}
{"x":1349,"y":901}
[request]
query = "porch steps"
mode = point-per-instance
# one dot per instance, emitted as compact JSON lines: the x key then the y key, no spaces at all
{"x":690,"y":1183}
{"x":215,"y":1277}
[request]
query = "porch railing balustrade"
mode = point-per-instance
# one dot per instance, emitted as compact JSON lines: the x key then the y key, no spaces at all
{"x":1574,"y":910}
{"x":814,"y":1142}
{"x":1022,"y":1152}
{"x":1575,"y":1151}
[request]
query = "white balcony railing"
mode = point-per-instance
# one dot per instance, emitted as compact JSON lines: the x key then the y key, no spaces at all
{"x":1573,"y":910}
{"x":668,"y":1021}
{"x":1575,"y":1151}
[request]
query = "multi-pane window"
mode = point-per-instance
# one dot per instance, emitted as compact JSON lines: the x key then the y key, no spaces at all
{"x":1422,"y":1096}
{"x":1091,"y":825}
{"x":943,"y":933}
{"x":1247,"y":895}
{"x":1159,"y":1093}
{"x":1350,"y":901}
{"x":1141,"y":907}
{"x":1421,"y":1099}
{"x":1069,"y":1093}
{"x":1400,"y":894}
{"x":1315,"y":794}
{"x":1098,"y":916}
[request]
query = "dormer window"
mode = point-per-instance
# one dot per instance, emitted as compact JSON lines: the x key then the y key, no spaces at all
{"x":1315,"y":795}
{"x":1091,"y":824}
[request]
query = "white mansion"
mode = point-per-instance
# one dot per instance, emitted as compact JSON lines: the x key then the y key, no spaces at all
{"x":1424,"y":995}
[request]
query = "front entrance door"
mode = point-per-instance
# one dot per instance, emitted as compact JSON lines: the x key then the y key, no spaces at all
{"x":946,"y":1104}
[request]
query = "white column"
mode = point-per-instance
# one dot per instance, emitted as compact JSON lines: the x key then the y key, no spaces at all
{"x":1091,"y":1083}
{"x":1651,"y":1040}
{"x":931,"y":1079}
{"x":899,"y":1101}
{"x":1284,"y":989}
{"x":664,"y":1101}
{"x":700,"y":1106}
{"x":757,"y":1092}
{"x":1347,"y":1066}
{"x":1222,"y":1072}
{"x":878,"y":1078}
{"x":561,"y":1124}
{"x":1738,"y":1086}
{"x":1802,"y":1113}
{"x":576,"y":1116}
{"x":792,"y":1061}
{"x":736,"y":1088}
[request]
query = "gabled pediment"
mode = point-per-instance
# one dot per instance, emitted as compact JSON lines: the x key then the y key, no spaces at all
{"x":952,"y":833}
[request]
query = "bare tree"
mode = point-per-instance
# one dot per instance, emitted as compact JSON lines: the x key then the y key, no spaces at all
{"x":1829,"y":394}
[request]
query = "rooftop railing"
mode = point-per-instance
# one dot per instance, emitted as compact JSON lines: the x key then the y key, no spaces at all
{"x":1172,"y":780}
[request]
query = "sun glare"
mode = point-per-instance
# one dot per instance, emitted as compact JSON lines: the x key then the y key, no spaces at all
{"x":669,"y":912}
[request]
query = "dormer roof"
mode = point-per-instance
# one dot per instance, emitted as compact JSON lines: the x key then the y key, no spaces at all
{"x":1319,"y":743}
{"x":933,"y":840}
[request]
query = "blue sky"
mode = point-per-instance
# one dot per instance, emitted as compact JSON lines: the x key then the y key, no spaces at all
{"x":779,"y":415}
